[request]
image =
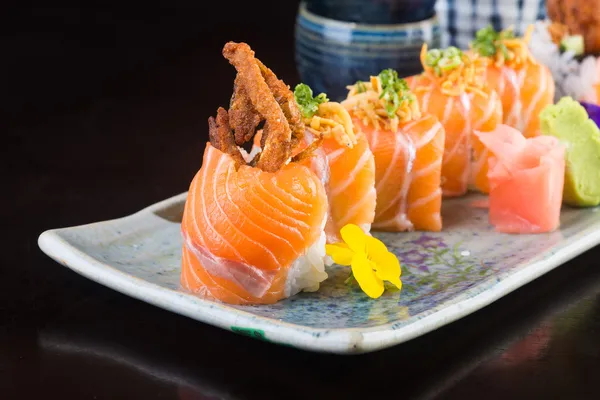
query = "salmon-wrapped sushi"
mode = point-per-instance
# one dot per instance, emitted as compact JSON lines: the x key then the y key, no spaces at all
{"x":349,"y":170}
{"x":253,"y":229}
{"x":525,"y":86}
{"x":351,"y":186}
{"x":408,"y":150}
{"x":452,"y":89}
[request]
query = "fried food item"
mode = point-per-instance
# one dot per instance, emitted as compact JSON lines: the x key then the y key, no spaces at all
{"x":242,"y":116}
{"x":582,"y":17}
{"x":277,"y":132}
{"x":219,"y":133}
{"x":557,"y":32}
{"x":285,"y":99}
{"x":258,"y":96}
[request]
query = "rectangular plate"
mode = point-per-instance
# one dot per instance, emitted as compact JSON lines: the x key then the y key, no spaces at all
{"x":446,"y":275}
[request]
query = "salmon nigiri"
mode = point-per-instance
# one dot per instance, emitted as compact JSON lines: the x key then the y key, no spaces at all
{"x":253,"y":230}
{"x":525,"y":86}
{"x":408,"y":150}
{"x":452,"y":89}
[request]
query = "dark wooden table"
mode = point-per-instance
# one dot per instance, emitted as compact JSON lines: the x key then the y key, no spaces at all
{"x":105,"y":112}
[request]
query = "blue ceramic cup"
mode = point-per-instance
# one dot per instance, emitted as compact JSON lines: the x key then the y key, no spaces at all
{"x":373,"y":11}
{"x":332,"y":54}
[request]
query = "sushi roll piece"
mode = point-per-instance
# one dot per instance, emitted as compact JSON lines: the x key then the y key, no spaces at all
{"x":351,"y":186}
{"x":349,"y":164}
{"x":524,"y":85}
{"x":352,"y":196}
{"x":453,"y":89}
{"x":526,"y":180}
{"x":253,"y":231}
{"x":408,"y":149}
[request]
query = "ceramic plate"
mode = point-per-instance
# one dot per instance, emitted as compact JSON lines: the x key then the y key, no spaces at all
{"x":446,"y":276}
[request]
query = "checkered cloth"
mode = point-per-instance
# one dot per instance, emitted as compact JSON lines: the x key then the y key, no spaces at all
{"x":461,"y":19}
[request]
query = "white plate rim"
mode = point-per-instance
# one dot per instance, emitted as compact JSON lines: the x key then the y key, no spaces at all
{"x":338,"y":340}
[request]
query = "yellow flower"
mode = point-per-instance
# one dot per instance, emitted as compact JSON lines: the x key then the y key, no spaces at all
{"x":371,"y":261}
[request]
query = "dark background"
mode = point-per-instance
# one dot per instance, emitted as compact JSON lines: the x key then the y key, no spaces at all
{"x":104,"y":112}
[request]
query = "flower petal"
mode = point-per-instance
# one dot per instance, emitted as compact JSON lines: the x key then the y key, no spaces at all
{"x":365,"y":276}
{"x":388,"y":269}
{"x":378,"y":252}
{"x":375,"y":248}
{"x":340,"y":252}
{"x":354,"y":237}
{"x":397,"y":282}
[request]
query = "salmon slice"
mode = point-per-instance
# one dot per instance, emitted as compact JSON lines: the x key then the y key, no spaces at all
{"x":318,"y":163}
{"x":537,"y":91}
{"x":352,"y":196}
{"x":459,"y":115}
{"x":408,"y":165}
{"x":245,"y":229}
{"x":526,"y":180}
{"x":504,"y":81}
{"x":486,"y":114}
{"x":524,"y":85}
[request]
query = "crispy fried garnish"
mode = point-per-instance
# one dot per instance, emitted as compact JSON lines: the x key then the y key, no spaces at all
{"x":242,"y":115}
{"x":582,"y":17}
{"x":259,"y":96}
{"x":277,"y":132}
{"x":285,"y":99}
{"x":557,"y":32}
{"x":221,"y":138}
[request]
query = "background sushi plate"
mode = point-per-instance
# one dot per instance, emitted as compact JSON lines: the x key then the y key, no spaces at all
{"x":446,"y":276}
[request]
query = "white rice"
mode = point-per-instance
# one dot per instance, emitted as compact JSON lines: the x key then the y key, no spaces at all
{"x":308,"y":271}
{"x":249,"y":156}
{"x":572,"y":78}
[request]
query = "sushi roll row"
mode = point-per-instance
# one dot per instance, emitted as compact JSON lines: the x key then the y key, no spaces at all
{"x":258,"y":226}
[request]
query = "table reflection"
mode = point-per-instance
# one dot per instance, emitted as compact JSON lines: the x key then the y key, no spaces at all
{"x":190,"y":360}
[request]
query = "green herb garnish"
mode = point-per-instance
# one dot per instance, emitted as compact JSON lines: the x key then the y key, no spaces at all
{"x":573,"y":43}
{"x":360,"y":87}
{"x":488,"y":42}
{"x":443,"y":60}
{"x":308,"y":104}
{"x":393,"y":91}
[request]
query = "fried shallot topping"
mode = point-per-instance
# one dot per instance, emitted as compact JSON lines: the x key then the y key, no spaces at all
{"x":503,"y":47}
{"x":453,"y":71}
{"x":259,"y":98}
{"x":324,"y":118}
{"x":384,"y":102}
